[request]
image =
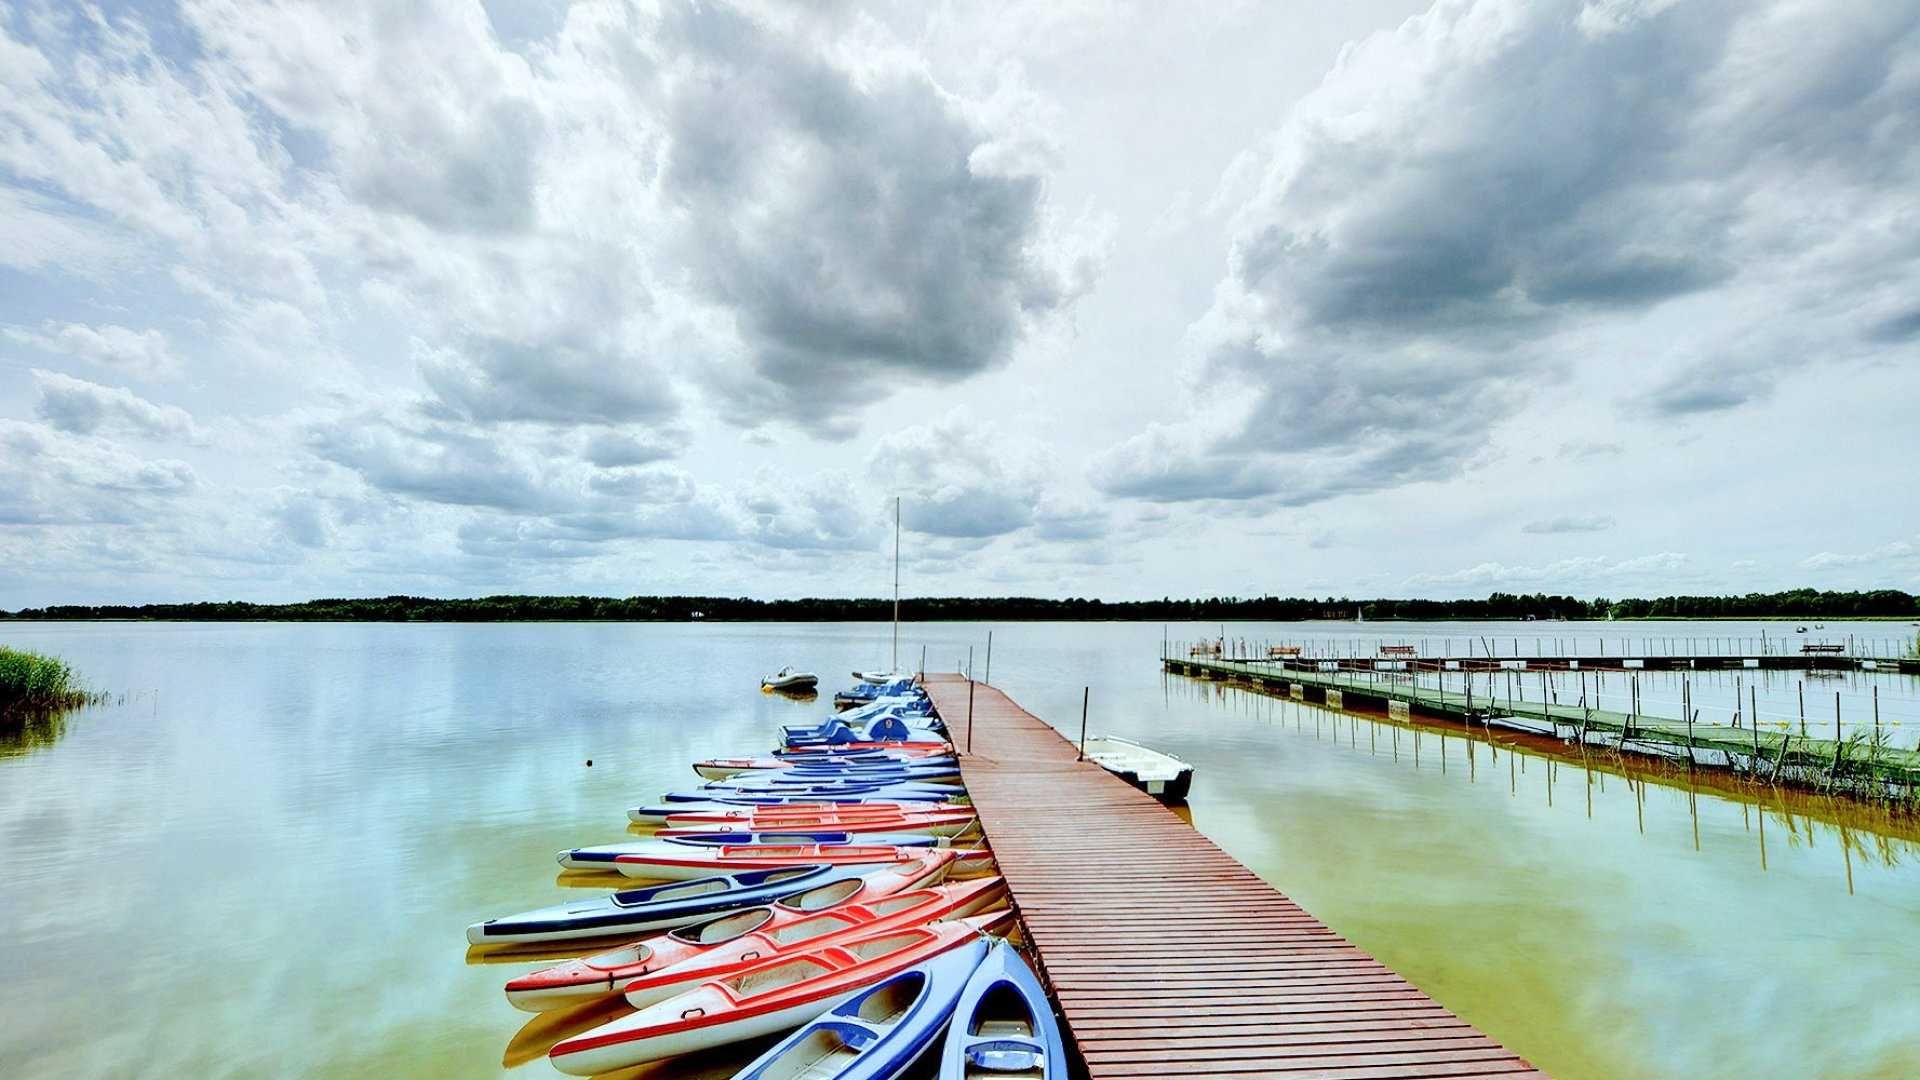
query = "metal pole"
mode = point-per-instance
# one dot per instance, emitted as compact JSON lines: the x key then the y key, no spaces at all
{"x":1085,"y":693}
{"x":923,"y":662}
{"x":896,"y":586}
{"x":969,"y":715}
{"x":988,"y":678}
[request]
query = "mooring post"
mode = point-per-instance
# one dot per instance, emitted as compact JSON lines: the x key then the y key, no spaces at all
{"x":1085,"y":693}
{"x":989,"y":672}
{"x":1753,"y":706}
{"x":1686,"y":704}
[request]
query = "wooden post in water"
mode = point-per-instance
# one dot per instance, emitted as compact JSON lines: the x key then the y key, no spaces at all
{"x":923,"y":663}
{"x":989,"y":672}
{"x":1753,"y":706}
{"x":1085,"y":693}
{"x":1803,"y":707}
{"x":1686,"y":704}
{"x":1834,"y":772}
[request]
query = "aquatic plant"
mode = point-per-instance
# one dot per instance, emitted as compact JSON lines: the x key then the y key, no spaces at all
{"x":31,"y":681}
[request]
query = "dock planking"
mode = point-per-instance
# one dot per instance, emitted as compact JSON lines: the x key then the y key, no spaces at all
{"x":1200,"y":968}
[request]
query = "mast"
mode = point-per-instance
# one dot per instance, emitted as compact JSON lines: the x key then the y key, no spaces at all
{"x":895,"y":667}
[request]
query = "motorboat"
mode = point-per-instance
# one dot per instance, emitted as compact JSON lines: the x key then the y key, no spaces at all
{"x":790,"y":679}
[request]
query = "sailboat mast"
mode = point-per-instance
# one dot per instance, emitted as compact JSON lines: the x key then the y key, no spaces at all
{"x":895,"y":667}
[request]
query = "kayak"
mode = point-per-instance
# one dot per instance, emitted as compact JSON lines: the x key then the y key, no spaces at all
{"x":938,"y":822}
{"x":673,"y":862}
{"x":764,"y":1000}
{"x":722,"y":768}
{"x":874,"y":808}
{"x":878,"y":1033}
{"x":606,"y":856}
{"x":664,"y":907}
{"x":601,"y":974}
{"x":812,"y":792}
{"x":911,"y":746}
{"x":717,"y":803}
{"x":920,"y":907}
{"x":1003,"y":1025}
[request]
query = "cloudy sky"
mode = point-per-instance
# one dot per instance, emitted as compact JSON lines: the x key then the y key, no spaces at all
{"x":1379,"y":298}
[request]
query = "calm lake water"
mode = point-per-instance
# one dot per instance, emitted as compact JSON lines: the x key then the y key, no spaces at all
{"x":263,"y":861}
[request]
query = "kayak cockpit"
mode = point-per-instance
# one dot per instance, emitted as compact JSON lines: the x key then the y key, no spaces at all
{"x":725,"y":928}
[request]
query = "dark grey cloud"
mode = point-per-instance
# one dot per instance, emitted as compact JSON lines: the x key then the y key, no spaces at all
{"x":1572,"y":523}
{"x":1426,"y":227}
{"x":848,"y":223}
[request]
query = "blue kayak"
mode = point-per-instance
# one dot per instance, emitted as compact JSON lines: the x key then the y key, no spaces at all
{"x":1003,"y":1025}
{"x":658,"y":907}
{"x":879,"y":1032}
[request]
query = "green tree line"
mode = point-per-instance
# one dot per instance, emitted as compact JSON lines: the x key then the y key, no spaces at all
{"x":1796,"y":603}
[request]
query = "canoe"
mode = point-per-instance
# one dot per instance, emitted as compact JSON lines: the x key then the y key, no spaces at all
{"x":920,"y":907}
{"x":879,"y":1032}
{"x":602,"y":974}
{"x":607,"y":856}
{"x":660,"y":812}
{"x":1162,"y":776}
{"x":664,"y":907}
{"x":674,"y":862}
{"x":808,"y":810}
{"x":932,"y":822}
{"x":1003,"y":1025}
{"x":764,"y":1000}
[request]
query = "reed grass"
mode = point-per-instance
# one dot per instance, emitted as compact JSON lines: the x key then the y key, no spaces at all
{"x":30,"y":681}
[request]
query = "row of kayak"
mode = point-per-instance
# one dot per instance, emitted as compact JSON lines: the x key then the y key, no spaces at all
{"x":830,"y":891}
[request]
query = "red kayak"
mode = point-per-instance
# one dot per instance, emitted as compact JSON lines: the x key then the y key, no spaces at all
{"x":778,"y":995}
{"x":840,"y":924}
{"x":934,"y":822}
{"x":576,"y":981}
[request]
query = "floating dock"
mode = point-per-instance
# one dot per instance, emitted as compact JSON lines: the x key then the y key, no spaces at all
{"x":1167,"y":957}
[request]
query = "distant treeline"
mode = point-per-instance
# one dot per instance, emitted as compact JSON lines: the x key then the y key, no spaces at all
{"x":1798,"y":603}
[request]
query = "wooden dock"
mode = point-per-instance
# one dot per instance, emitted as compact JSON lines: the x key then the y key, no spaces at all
{"x":1770,"y":750}
{"x":1167,"y":957}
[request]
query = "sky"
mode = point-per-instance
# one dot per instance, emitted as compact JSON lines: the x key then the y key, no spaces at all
{"x":1380,"y":298}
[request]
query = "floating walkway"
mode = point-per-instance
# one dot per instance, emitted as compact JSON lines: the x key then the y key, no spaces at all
{"x":1167,"y":957}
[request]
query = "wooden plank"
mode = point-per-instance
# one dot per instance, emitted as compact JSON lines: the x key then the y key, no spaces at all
{"x":1203,"y":969}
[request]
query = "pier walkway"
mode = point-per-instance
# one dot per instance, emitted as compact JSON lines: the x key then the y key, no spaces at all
{"x":1863,"y":765}
{"x":1168,"y":958}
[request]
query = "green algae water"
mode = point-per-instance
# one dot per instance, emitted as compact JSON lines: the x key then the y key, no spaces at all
{"x":260,"y":858}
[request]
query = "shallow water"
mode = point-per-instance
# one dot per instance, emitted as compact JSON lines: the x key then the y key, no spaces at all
{"x":263,"y":860}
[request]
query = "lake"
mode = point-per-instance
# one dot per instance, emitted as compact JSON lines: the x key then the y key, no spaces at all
{"x":261,"y":858}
